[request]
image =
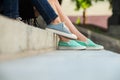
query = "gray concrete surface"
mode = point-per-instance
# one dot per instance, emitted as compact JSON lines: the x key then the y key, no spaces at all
{"x":64,"y":65}
{"x":17,"y":37}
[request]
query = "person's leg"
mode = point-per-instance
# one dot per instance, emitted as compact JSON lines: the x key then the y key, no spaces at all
{"x":51,"y":18}
{"x":46,"y":11}
{"x":1,"y":6}
{"x":65,"y":19}
{"x":81,"y":38}
{"x":10,"y":8}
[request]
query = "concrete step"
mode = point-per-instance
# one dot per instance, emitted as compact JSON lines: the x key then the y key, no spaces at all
{"x":18,"y":39}
{"x":64,"y":65}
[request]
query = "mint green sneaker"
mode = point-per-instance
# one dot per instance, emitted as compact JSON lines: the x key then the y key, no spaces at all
{"x":70,"y":45}
{"x":90,"y":45}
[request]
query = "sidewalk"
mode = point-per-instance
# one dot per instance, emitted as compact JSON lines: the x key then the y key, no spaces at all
{"x":64,"y":65}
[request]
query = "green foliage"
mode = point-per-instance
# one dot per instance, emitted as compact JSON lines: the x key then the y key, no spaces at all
{"x":84,"y":4}
{"x":78,"y":21}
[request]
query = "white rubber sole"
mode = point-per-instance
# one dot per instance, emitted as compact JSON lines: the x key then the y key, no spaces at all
{"x":71,"y":36}
{"x":94,"y":48}
{"x":71,"y":48}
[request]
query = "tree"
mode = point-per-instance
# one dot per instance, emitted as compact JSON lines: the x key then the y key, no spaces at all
{"x":84,"y":4}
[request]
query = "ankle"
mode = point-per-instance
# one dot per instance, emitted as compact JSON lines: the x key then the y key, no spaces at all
{"x":64,"y":39}
{"x":56,"y":21}
{"x":83,"y":39}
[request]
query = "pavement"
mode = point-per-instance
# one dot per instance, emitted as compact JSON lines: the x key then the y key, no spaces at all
{"x":64,"y":65}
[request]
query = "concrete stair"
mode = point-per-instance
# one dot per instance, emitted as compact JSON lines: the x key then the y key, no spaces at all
{"x":18,"y":39}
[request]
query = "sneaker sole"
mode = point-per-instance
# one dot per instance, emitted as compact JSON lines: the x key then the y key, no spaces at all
{"x":71,"y":36}
{"x":71,"y":48}
{"x":93,"y":48}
